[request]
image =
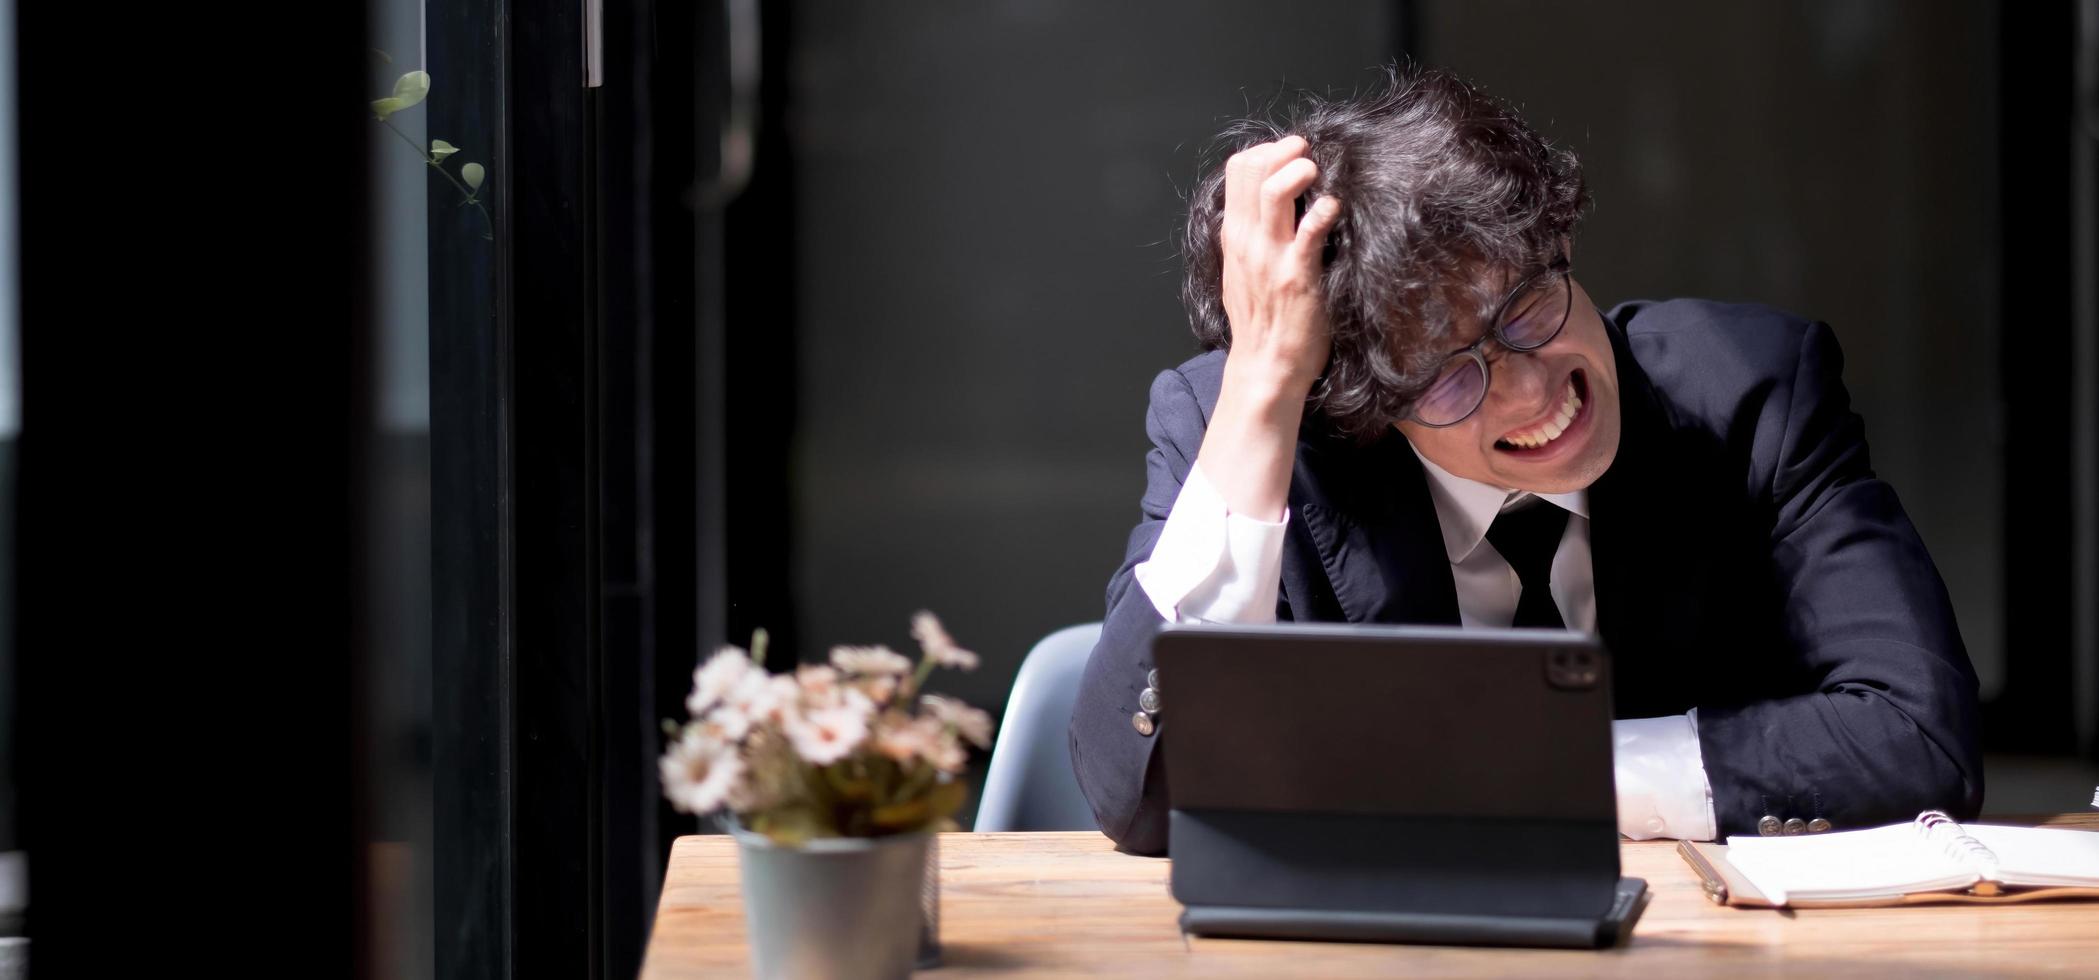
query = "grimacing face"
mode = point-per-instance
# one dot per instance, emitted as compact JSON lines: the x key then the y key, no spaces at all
{"x":1503,"y":443}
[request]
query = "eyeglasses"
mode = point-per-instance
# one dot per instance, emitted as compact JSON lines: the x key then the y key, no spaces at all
{"x":1529,"y":317}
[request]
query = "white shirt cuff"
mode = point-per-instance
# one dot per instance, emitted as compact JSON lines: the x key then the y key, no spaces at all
{"x":1662,"y":787}
{"x":1210,"y":565}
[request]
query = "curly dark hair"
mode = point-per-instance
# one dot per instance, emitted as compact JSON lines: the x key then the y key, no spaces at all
{"x":1447,"y":198}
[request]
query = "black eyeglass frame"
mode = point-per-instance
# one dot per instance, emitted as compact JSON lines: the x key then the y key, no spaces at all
{"x":1560,"y":267}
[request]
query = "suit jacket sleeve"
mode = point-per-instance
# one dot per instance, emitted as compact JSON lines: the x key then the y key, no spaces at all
{"x":1891,"y":726}
{"x":1118,"y":769}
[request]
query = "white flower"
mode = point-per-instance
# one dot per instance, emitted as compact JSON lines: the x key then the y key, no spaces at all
{"x":972,"y":723}
{"x":953,"y":656}
{"x":816,"y":680}
{"x":939,"y":647}
{"x":879,"y":688}
{"x":870,"y":660}
{"x":778,"y":700}
{"x":947,"y":756}
{"x":827,"y":733}
{"x":732,"y":719}
{"x":903,"y":739}
{"x":739,"y":707}
{"x":722,"y":674}
{"x":700,"y":772}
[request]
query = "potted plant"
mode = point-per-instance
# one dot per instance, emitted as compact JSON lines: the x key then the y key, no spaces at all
{"x":833,"y":780}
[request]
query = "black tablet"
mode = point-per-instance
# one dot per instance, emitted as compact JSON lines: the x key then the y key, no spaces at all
{"x":1416,"y":784}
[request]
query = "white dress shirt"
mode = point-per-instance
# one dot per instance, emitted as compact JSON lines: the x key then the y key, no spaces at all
{"x":1211,"y":565}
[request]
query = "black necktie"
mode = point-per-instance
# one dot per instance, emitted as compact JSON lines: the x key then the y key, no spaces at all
{"x":1528,"y":537}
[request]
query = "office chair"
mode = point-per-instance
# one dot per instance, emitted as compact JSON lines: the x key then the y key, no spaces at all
{"x":1030,"y":785}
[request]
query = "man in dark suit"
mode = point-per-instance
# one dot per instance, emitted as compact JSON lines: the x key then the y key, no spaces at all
{"x":1411,"y":412}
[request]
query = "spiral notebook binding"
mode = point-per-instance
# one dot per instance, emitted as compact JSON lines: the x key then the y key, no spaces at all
{"x":1940,"y":828}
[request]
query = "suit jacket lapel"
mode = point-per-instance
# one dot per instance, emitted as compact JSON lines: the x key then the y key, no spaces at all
{"x":1640,"y":524}
{"x":1375,"y":529}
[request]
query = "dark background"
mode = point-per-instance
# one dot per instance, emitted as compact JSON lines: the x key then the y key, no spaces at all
{"x":357,"y":556}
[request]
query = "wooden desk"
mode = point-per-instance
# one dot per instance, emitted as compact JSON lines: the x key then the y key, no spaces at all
{"x":1066,"y":904}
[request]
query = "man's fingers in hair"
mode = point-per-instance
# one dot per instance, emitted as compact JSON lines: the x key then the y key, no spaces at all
{"x":1279,"y":195}
{"x":1319,"y":220}
{"x":1246,"y":169}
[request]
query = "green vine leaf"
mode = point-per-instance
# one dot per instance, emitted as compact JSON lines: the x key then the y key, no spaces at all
{"x":409,"y":90}
{"x":472,"y":173}
{"x":439,"y":149}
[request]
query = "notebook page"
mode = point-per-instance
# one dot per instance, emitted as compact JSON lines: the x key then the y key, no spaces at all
{"x":2041,"y":855}
{"x":1882,"y":862}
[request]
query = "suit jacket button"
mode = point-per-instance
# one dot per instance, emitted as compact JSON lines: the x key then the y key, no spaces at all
{"x":1148,"y":699}
{"x":1151,"y":678}
{"x":1795,"y":827}
{"x":1768,"y":826}
{"x":1143,"y":723}
{"x":1817,"y":825}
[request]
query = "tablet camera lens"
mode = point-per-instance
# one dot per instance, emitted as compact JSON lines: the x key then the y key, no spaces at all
{"x":1572,"y":670}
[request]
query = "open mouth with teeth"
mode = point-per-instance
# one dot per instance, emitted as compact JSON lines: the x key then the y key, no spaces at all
{"x":1569,"y":417}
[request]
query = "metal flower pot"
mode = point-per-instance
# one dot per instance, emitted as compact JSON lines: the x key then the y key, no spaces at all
{"x":838,"y":908}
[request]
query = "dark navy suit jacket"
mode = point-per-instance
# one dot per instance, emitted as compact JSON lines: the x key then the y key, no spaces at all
{"x":1747,"y":562}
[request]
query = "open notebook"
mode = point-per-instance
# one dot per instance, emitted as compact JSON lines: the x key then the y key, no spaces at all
{"x":1931,"y":858}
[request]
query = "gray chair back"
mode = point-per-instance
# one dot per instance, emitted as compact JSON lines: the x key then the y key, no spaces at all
{"x":1030,"y":785}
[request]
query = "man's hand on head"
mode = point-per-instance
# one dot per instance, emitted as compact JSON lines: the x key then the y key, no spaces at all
{"x":1277,"y":310}
{"x":1271,"y":267}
